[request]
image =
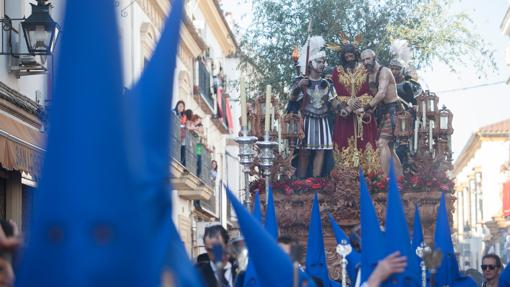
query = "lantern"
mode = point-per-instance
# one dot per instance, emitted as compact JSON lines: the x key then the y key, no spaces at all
{"x":431,"y":100}
{"x":290,"y":128}
{"x":41,"y":32}
{"x":404,"y":125}
{"x":444,"y":122}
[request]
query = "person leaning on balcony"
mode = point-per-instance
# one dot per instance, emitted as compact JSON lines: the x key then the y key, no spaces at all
{"x":214,"y":170}
{"x":491,"y":267}
{"x":185,"y":124}
{"x":179,"y":112}
{"x":197,"y":128}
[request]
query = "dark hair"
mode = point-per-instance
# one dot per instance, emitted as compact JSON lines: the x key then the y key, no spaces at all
{"x":189,"y":114}
{"x":286,"y":239}
{"x":177,"y":106}
{"x":495,"y":257}
{"x":216,"y":167}
{"x":349,"y":48}
{"x":215,"y":230}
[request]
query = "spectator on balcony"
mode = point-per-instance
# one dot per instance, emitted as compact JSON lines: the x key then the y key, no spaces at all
{"x":179,"y":109}
{"x":214,"y":171}
{"x":197,"y":128}
{"x":179,"y":112}
{"x":185,"y":123}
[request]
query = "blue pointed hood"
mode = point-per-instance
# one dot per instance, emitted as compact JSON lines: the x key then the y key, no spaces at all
{"x":397,"y":234}
{"x":417,"y":229}
{"x":276,"y":272}
{"x":271,"y":222}
{"x":315,"y":255}
{"x":467,"y":281}
{"x":354,"y":258}
{"x":257,"y":210}
{"x":152,"y":95}
{"x":373,"y":244}
{"x":504,"y":277}
{"x":250,"y":276}
{"x":88,"y":201}
{"x":448,"y":270}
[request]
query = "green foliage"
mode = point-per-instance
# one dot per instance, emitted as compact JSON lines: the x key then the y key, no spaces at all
{"x":433,"y":32}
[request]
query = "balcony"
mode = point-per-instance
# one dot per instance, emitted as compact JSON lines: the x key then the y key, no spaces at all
{"x":191,"y":178}
{"x":202,"y":93}
{"x":207,"y":206}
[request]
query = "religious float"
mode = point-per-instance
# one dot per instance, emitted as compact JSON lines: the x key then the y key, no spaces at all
{"x":270,"y":146}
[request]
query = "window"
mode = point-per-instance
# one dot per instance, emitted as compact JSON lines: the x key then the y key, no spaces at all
{"x":204,"y":83}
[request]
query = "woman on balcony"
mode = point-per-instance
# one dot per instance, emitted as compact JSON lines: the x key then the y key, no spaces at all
{"x":181,"y":116}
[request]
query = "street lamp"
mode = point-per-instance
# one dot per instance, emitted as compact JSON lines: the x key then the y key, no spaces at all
{"x":41,"y":31}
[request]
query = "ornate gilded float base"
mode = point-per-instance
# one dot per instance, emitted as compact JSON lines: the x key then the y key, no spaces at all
{"x":340,"y":196}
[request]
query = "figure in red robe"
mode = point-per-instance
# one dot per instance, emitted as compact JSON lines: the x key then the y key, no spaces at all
{"x":353,"y":129}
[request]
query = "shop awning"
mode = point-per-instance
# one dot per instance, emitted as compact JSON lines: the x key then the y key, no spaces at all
{"x":20,"y":145}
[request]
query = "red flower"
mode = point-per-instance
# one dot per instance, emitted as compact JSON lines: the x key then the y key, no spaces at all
{"x":444,"y":187}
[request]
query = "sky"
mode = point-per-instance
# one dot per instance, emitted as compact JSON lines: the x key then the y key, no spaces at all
{"x":472,"y":108}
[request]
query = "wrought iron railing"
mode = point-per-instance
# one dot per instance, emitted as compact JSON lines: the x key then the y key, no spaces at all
{"x":187,"y":154}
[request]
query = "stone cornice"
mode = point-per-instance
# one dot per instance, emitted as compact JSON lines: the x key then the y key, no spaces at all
{"x":20,"y":105}
{"x":219,"y":26}
{"x":156,"y":10}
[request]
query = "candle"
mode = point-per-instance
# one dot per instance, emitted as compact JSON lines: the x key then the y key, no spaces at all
{"x":280,"y":137}
{"x":244,"y":115}
{"x":415,"y":143}
{"x":423,"y":111}
{"x":431,"y":123}
{"x":268,"y":108}
{"x":443,"y":123}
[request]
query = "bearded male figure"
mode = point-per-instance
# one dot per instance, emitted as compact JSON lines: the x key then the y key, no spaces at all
{"x":315,"y":93}
{"x":384,"y":88}
{"x":352,"y":126}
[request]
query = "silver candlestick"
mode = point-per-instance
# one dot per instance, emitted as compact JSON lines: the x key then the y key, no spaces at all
{"x":344,"y":249}
{"x":246,"y":155}
{"x":420,"y":251}
{"x":266,"y":158}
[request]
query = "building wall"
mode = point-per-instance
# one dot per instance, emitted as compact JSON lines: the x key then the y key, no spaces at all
{"x":140,"y":28}
{"x":17,"y":186}
{"x":479,"y":200}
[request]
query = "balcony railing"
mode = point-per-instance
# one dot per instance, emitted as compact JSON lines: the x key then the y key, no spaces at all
{"x":209,"y":205}
{"x":187,"y":154}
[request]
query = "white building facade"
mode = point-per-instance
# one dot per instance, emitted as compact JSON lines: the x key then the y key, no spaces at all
{"x":479,"y":218}
{"x":25,"y":89}
{"x":207,"y":82}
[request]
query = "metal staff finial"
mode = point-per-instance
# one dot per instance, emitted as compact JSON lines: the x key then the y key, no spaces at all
{"x":344,"y":249}
{"x":421,"y":251}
